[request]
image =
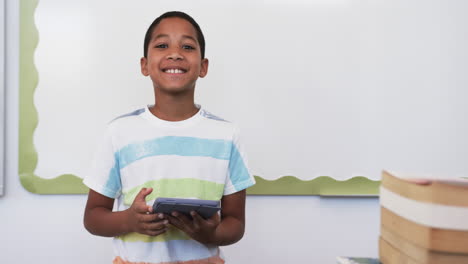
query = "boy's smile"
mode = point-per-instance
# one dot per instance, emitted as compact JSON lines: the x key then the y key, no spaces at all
{"x":174,"y":60}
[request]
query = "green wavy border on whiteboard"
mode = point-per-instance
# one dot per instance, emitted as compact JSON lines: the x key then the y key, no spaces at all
{"x":63,"y":184}
{"x":324,"y":185}
{"x":71,"y":184}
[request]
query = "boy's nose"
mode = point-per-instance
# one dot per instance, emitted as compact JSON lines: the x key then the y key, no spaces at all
{"x":174,"y":55}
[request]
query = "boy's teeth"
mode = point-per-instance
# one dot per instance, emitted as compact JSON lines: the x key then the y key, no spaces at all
{"x":174,"y":71}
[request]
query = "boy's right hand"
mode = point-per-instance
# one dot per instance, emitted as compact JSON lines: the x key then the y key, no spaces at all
{"x":142,"y":220}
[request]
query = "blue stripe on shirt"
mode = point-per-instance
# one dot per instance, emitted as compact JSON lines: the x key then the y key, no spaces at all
{"x":114,"y":184}
{"x":181,"y":146}
{"x":238,"y":172}
{"x":134,"y":113}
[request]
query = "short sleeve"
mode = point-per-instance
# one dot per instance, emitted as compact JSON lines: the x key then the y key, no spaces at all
{"x":239,"y":176}
{"x":104,"y":176}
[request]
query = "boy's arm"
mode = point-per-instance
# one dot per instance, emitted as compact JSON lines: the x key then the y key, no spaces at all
{"x":100,"y":220}
{"x":232,"y":226}
{"x":225,"y":231}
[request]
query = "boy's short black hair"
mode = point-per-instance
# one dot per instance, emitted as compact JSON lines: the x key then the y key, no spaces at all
{"x":149,"y":32}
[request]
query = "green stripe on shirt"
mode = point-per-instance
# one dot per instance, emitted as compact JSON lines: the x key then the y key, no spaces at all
{"x":177,"y":188}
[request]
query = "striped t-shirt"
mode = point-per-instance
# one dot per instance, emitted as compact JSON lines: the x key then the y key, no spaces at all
{"x":199,"y":157}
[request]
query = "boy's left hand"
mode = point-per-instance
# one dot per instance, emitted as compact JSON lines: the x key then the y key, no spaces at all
{"x":198,"y":228}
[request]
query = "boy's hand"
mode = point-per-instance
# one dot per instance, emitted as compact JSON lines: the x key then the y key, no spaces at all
{"x":200,"y":229}
{"x":141,"y":219}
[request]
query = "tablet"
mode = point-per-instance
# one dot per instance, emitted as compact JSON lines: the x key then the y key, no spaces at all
{"x":205,"y":208}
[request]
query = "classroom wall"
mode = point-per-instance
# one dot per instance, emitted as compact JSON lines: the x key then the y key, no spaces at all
{"x":48,"y":228}
{"x":2,"y":92}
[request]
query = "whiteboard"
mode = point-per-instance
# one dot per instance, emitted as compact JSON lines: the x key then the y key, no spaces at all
{"x":334,"y":88}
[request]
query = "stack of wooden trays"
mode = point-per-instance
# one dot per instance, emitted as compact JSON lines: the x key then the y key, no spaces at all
{"x":423,"y":220}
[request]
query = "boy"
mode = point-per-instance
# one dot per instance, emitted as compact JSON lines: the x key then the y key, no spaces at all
{"x":170,"y":149}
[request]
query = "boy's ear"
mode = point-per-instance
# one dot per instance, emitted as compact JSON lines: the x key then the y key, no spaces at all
{"x":144,"y":66}
{"x":204,"y":68}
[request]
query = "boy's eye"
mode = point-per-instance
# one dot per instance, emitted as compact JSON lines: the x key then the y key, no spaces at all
{"x":161,"y":46}
{"x":188,"y":47}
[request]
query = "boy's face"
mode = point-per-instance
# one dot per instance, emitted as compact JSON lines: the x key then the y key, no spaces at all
{"x":174,"y":60}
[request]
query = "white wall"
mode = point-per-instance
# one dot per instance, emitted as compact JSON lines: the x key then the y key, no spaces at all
{"x":2,"y":92}
{"x":48,"y":229}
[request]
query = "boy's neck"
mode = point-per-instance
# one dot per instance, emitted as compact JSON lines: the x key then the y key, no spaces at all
{"x":171,"y":108}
